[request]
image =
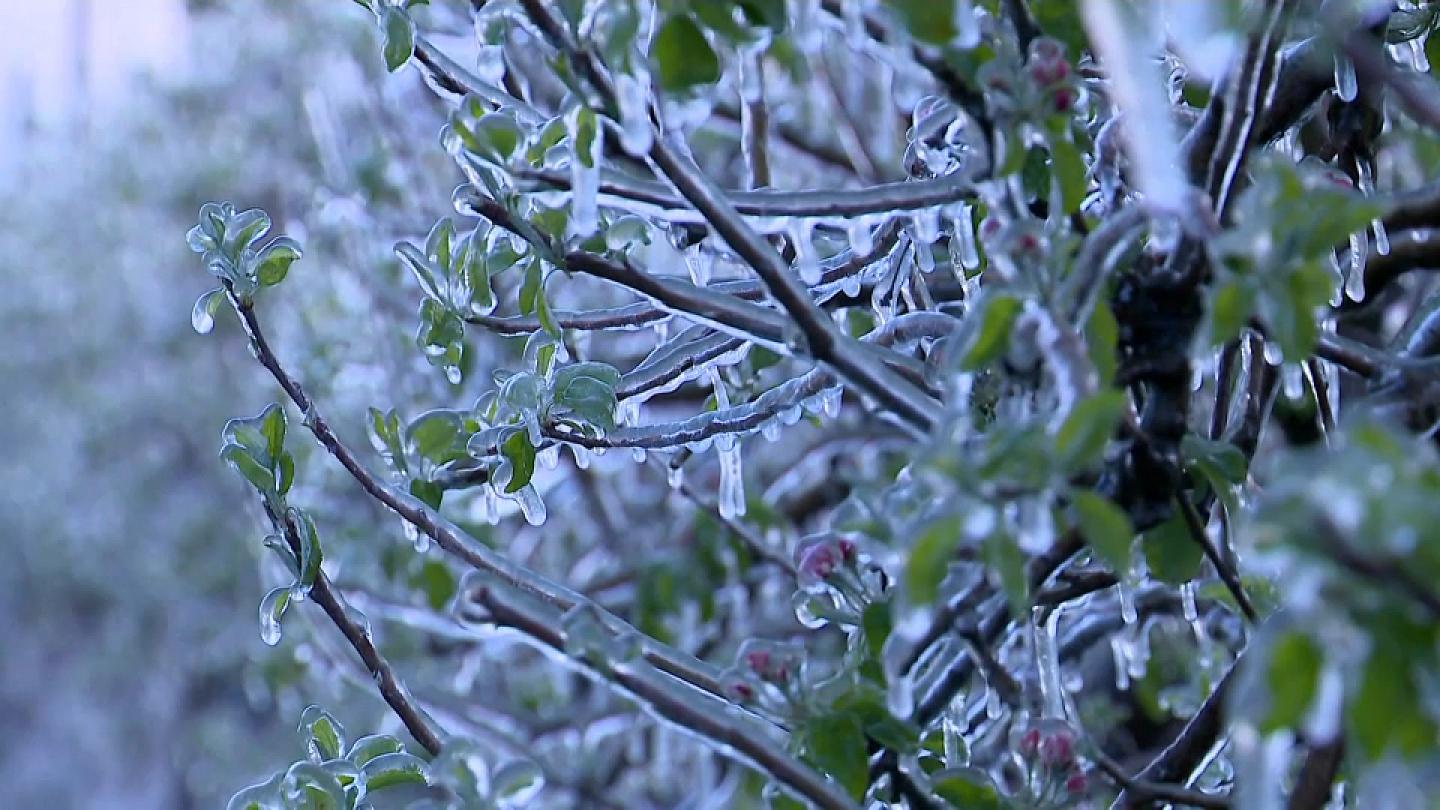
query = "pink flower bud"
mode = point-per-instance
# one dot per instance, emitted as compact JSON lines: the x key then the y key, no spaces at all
{"x":1077,"y":783}
{"x":741,"y":691}
{"x":1046,"y":49}
{"x":1062,"y":100}
{"x":1029,"y":743}
{"x":848,"y":550}
{"x":818,"y":557}
{"x":759,"y":661}
{"x":1058,"y":749}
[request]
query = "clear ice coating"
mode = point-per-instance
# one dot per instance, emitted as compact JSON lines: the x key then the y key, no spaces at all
{"x":731,"y":500}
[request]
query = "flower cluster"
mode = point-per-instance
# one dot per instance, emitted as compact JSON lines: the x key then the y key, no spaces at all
{"x":1055,"y":775}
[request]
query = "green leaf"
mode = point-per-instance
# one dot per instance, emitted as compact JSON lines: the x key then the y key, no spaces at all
{"x":1068,"y":168}
{"x":430,"y":493}
{"x":930,"y":558}
{"x":1230,"y":308}
{"x":683,"y":58}
{"x":928,"y":21}
{"x":1102,"y":336}
{"x":590,"y":399}
{"x":877,"y":623}
{"x":399,"y":37}
{"x":435,"y":580}
{"x":1106,"y":529}
{"x":324,"y":736}
{"x":993,"y":337}
{"x":389,"y":770}
{"x":438,"y":243}
{"x":836,"y":744}
{"x":434,"y":432}
{"x":1292,"y":678}
{"x":1087,"y":429}
{"x":1222,"y":463}
{"x":967,"y":789}
{"x":372,"y":747}
{"x":272,"y":428}
{"x":310,"y":552}
{"x":1171,"y":553}
{"x":522,"y":460}
{"x":603,"y":372}
{"x":1007,"y":561}
{"x":202,"y":317}
{"x":1384,"y":714}
{"x":421,"y":267}
{"x":244,"y":228}
{"x":585,"y":129}
{"x":240,"y":459}
{"x":530,"y":287}
{"x":273,"y":263}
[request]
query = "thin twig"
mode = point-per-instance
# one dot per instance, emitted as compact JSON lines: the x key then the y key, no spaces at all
{"x":1189,"y":748}
{"x":1228,"y":574}
{"x":1144,"y":790}
{"x":717,"y":722}
{"x":445,"y":534}
{"x":393,"y":692}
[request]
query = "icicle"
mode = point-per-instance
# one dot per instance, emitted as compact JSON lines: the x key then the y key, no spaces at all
{"x":1346,"y":87}
{"x":1382,"y":237}
{"x":531,"y":505}
{"x":1047,"y":659}
{"x":830,"y":402}
{"x":1355,"y":275}
{"x":417,"y":538}
{"x":675,"y":477}
{"x":1119,"y":648}
{"x":631,"y":97}
{"x":452,"y":373}
{"x":770,"y":429}
{"x":967,"y":26}
{"x":900,"y":696}
{"x":272,"y":607}
{"x":862,"y":241}
{"x":1187,"y":602}
{"x":962,"y":242}
{"x":994,"y":708}
{"x":807,"y":264}
{"x":732,"y":479}
{"x":1126,"y":592}
{"x":489,"y":505}
{"x":548,"y":457}
{"x":581,"y":456}
{"x":1292,"y":380}
{"x":1272,"y":354}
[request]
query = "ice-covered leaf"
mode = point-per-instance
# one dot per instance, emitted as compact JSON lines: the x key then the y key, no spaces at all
{"x":324,"y":735}
{"x":273,"y":262}
{"x":521,"y":455}
{"x":682,"y":56}
{"x":1085,"y":432}
{"x":399,"y":32}
{"x":1171,"y":553}
{"x":1106,"y":529}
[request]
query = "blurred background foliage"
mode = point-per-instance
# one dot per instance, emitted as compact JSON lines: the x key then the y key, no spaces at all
{"x":114,"y":509}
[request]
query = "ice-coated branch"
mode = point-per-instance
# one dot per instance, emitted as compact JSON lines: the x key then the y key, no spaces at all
{"x":1145,"y":790}
{"x":719,"y":722}
{"x":674,"y":360}
{"x":877,"y":199}
{"x":1188,"y":749}
{"x":450,"y":78}
{"x":447,"y":535}
{"x":1228,"y":575}
{"x":834,"y":271}
{"x":1417,"y":94}
{"x":753,"y":415}
{"x":821,"y":338}
{"x":391,"y":690}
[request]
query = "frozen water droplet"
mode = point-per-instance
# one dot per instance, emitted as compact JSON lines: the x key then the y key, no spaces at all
{"x":1382,"y":238}
{"x":638,"y":453}
{"x":581,"y":456}
{"x":452,"y":373}
{"x":675,"y":477}
{"x":1292,"y":379}
{"x":272,"y":608}
{"x":967,"y":26}
{"x":1272,"y":354}
{"x":417,"y":538}
{"x":548,"y":457}
{"x":994,"y":708}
